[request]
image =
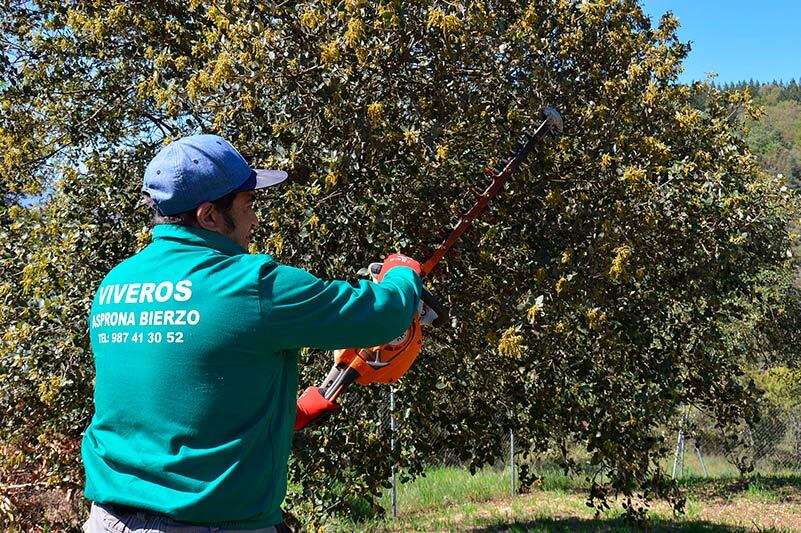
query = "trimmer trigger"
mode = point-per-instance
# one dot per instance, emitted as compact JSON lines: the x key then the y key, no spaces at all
{"x":375,"y":363}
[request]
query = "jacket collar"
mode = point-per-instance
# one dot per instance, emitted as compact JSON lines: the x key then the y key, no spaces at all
{"x":198,"y":237}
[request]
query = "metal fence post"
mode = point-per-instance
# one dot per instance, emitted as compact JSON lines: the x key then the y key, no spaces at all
{"x":683,"y":443}
{"x":678,"y":458}
{"x":512,"y":458}
{"x":701,"y":460}
{"x":678,"y":449}
{"x":392,"y":447}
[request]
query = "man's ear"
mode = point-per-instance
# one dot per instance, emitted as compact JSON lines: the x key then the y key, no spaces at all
{"x":206,"y":217}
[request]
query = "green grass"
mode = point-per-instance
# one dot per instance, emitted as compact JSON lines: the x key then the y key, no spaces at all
{"x":443,"y":486}
{"x":717,"y":466}
{"x":446,"y":485}
{"x":758,"y":491}
{"x":774,"y":488}
{"x":454,"y":492}
{"x":450,"y":499}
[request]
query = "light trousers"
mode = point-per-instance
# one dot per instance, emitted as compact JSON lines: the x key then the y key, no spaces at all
{"x":105,"y":519}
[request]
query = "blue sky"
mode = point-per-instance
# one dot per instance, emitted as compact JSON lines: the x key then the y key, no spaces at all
{"x":738,"y":40}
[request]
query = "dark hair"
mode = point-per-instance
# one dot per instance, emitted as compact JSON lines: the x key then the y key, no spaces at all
{"x":189,"y":218}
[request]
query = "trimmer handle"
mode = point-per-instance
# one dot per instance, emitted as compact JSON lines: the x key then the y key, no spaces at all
{"x":436,"y":306}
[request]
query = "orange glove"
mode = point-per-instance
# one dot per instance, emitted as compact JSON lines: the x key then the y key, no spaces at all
{"x":312,"y":406}
{"x":396,"y":260}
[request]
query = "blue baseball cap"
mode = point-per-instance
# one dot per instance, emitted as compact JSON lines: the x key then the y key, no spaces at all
{"x":198,"y":169}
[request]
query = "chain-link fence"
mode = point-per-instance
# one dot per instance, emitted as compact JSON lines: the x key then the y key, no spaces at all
{"x":393,"y":417}
{"x":770,"y":446}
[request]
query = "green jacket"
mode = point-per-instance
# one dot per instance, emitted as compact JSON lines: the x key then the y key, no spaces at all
{"x":196,"y":349}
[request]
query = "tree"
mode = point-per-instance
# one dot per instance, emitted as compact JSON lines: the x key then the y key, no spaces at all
{"x":591,"y":304}
{"x":776,"y":137}
{"x":791,"y":92}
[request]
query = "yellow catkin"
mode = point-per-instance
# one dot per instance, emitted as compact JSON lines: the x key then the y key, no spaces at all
{"x":249,"y":102}
{"x":355,"y":31}
{"x":311,"y":19}
{"x":330,"y":53}
{"x":410,"y":137}
{"x":48,"y":389}
{"x":447,"y":23}
{"x":595,"y":317}
{"x":142,"y":238}
{"x":534,"y":312}
{"x":561,"y":285}
{"x":553,"y":198}
{"x":352,"y":5}
{"x":280,"y":127}
{"x":375,"y":111}
{"x":618,"y":271}
{"x":511,"y":343}
{"x":634,"y":176}
{"x":276,"y":242}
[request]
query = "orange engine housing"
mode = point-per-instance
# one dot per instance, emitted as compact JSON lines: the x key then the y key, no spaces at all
{"x":390,"y":361}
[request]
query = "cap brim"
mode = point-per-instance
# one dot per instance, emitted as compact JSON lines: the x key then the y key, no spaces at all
{"x":267,"y":178}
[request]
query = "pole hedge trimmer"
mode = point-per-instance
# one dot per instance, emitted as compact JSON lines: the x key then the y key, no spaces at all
{"x":389,"y":362}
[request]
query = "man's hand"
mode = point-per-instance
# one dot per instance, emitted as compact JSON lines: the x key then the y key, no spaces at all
{"x":396,"y":260}
{"x":313,"y":406}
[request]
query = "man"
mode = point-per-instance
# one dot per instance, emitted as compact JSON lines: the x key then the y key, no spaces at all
{"x":196,"y":349}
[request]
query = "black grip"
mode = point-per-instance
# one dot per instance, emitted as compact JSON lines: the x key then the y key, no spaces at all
{"x":438,"y":308}
{"x":345,"y":380}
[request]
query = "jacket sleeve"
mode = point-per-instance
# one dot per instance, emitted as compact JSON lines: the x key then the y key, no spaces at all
{"x":301,"y":310}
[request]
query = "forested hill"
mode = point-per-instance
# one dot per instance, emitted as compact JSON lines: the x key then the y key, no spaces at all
{"x":776,"y":137}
